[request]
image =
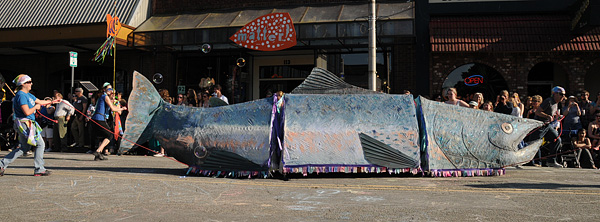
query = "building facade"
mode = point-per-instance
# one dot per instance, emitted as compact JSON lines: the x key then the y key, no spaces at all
{"x":189,"y":42}
{"x":526,"y":47}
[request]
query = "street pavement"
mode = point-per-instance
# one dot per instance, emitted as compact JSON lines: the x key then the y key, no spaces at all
{"x":145,"y":188}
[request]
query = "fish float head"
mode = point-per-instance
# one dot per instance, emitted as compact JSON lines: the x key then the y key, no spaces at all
{"x":464,"y":138}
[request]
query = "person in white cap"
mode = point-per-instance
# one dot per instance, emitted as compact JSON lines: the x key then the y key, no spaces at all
{"x":548,"y":112}
{"x":25,"y":105}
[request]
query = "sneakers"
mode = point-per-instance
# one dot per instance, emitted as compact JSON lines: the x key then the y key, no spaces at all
{"x":45,"y":173}
{"x":554,"y":164}
{"x":72,"y":145}
{"x":159,"y":155}
{"x":28,"y":153}
{"x":47,"y":150}
{"x":1,"y":171}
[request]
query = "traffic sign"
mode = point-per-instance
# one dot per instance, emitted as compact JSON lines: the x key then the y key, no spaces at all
{"x":73,"y":59}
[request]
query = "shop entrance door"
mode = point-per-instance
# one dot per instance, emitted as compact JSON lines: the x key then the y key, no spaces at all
{"x":280,"y":73}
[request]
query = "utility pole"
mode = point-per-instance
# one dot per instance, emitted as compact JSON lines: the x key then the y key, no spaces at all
{"x":372,"y":47}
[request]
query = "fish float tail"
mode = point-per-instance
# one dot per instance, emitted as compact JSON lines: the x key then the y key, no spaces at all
{"x":144,"y":102}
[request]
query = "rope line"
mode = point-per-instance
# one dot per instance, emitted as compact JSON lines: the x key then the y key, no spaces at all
{"x":118,"y":135}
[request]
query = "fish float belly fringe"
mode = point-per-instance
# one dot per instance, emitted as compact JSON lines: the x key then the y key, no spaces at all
{"x":340,"y":129}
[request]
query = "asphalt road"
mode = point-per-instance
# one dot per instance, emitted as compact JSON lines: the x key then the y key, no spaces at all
{"x":140,"y":188}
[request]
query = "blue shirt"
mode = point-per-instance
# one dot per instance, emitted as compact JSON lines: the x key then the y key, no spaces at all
{"x":101,"y":109}
{"x":22,"y":98}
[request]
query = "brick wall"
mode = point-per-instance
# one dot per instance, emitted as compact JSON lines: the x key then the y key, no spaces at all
{"x":515,"y":67}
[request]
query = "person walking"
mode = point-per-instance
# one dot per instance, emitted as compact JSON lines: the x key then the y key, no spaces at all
{"x":103,"y":107}
{"x":29,"y":132}
{"x":63,"y":113}
{"x":80,"y":103}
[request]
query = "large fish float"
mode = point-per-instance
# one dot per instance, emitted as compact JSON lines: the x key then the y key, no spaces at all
{"x":326,"y":125}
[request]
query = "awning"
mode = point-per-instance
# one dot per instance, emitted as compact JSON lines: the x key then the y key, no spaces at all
{"x":332,"y":22}
{"x":536,"y":33}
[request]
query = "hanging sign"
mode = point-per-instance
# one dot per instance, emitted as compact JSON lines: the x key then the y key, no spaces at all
{"x":112,"y":25}
{"x":473,"y":80}
{"x":269,"y":32}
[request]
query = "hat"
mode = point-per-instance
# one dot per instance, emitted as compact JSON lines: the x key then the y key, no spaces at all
{"x":105,"y":85}
{"x":473,"y":103}
{"x":558,"y":89}
{"x":22,"y":78}
{"x":572,"y":97}
{"x":78,"y":90}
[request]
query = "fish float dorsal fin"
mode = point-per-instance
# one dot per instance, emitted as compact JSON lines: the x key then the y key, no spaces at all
{"x":144,"y":101}
{"x":321,"y":81}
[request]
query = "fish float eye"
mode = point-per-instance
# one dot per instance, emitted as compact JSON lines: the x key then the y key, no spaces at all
{"x":507,"y":128}
{"x":200,"y":152}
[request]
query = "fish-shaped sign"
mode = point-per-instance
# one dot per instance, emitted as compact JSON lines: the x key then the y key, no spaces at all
{"x":271,"y":32}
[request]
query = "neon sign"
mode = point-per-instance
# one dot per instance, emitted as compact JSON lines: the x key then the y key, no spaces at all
{"x":473,"y":80}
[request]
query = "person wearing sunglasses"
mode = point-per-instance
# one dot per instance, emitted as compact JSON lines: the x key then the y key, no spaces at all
{"x":25,"y":105}
{"x":548,"y":112}
{"x":181,"y":100}
{"x":205,"y":100}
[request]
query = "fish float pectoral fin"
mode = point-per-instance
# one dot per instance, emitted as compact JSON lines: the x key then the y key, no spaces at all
{"x":144,"y":102}
{"x":380,"y":154}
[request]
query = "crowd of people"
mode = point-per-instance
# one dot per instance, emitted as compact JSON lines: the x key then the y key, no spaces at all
{"x":572,"y":121}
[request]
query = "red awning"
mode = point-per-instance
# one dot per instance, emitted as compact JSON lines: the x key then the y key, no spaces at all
{"x":541,"y":33}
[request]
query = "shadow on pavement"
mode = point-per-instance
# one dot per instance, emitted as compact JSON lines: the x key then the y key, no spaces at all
{"x":170,"y":171}
{"x":541,"y":186}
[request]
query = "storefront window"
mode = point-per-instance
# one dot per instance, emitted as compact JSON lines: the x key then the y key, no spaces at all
{"x":281,"y":78}
{"x":475,"y":77}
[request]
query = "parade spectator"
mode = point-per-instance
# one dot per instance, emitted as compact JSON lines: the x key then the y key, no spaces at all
{"x":80,"y":103}
{"x":502,"y":105}
{"x":217,"y":93}
{"x":103,"y":106}
{"x":587,"y":108}
{"x":204,"y":103}
{"x":45,"y":120}
{"x":478,"y":97}
{"x":180,"y":100}
{"x":474,"y":105}
{"x":89,"y":113}
{"x":518,"y":107}
{"x":63,"y":113}
{"x":583,"y":144}
{"x":528,"y":106}
{"x":488,"y":106}
{"x":438,"y":98}
{"x":535,"y":104}
{"x":29,"y":132}
{"x":594,"y":132}
{"x":548,"y":112}
{"x":452,"y":100}
{"x":571,"y":111}
{"x":192,"y":98}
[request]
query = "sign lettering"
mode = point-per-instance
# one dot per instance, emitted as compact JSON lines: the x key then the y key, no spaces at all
{"x":473,"y":80}
{"x":269,"y":32}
